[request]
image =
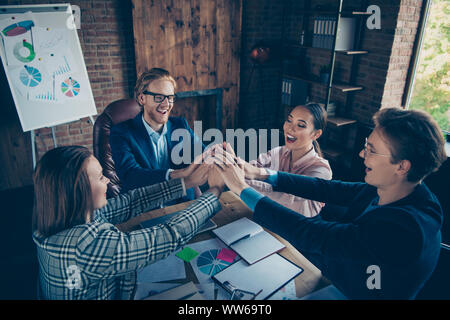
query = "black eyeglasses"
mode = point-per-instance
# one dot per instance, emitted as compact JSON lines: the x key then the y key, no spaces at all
{"x":159,"y":98}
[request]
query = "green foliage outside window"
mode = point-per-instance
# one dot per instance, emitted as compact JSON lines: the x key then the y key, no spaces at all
{"x":431,"y":91}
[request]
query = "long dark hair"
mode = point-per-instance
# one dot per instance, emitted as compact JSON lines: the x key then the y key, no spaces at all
{"x":62,"y":190}
{"x":319,"y":121}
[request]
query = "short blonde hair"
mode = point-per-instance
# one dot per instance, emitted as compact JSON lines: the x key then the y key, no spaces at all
{"x":148,"y":77}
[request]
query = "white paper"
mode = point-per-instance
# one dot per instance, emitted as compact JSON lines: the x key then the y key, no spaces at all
{"x":207,"y":290}
{"x":288,"y":292}
{"x":143,"y":290}
{"x":170,"y":268}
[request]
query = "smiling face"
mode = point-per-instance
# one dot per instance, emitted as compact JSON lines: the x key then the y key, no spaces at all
{"x":98,"y":182}
{"x":380,"y":172}
{"x":299,"y":131}
{"x":157,"y":114}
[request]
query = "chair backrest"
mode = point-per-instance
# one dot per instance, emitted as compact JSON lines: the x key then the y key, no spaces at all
{"x":116,"y":112}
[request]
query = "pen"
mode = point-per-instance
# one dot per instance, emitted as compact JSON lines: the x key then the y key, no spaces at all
{"x":257,"y":294}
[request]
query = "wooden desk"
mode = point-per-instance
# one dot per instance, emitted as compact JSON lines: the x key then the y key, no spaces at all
{"x":232,"y":209}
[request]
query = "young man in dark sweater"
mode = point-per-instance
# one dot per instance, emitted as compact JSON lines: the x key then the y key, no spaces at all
{"x":387,"y":244}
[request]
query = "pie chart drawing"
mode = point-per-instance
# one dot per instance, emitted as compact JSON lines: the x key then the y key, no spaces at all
{"x":208,"y":263}
{"x":30,"y":76}
{"x":70,"y":87}
{"x":16,"y":29}
{"x":24,"y":52}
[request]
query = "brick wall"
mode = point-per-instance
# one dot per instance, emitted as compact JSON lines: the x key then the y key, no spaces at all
{"x":108,"y":48}
{"x":260,"y":84}
{"x":382,"y":72}
{"x":402,"y":48}
{"x":106,"y":38}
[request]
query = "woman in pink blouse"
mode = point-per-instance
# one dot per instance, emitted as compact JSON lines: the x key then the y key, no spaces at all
{"x":300,"y":155}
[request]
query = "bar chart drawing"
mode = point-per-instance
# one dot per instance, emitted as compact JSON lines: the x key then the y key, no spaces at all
{"x":49,"y":95}
{"x":63,"y":67}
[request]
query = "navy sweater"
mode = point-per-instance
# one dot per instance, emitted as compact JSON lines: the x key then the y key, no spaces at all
{"x":401,"y":238}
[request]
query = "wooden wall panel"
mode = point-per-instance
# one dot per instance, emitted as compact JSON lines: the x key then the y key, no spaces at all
{"x":198,"y":41}
{"x":16,"y":167}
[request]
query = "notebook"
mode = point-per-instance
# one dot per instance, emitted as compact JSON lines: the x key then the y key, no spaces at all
{"x":248,"y":239}
{"x":265,"y":276}
{"x":209,"y":225}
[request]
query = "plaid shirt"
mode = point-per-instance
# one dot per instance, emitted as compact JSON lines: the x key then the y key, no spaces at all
{"x":97,"y":261}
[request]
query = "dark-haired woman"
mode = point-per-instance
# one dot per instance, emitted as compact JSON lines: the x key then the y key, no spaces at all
{"x":301,"y":154}
{"x":82,"y":255}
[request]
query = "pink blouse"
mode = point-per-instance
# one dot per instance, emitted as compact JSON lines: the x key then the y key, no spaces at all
{"x":278,"y":159}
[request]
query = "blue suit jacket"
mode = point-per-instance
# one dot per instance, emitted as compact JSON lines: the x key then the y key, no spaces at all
{"x":134,"y":158}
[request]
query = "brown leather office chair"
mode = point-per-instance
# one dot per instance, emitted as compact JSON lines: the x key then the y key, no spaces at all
{"x":116,"y":112}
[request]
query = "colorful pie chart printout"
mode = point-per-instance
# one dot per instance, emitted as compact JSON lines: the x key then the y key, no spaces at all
{"x":16,"y":35}
{"x":70,"y":87}
{"x":210,"y":260}
{"x":18,"y":28}
{"x":209,"y":264}
{"x":30,"y":77}
{"x":24,"y":52}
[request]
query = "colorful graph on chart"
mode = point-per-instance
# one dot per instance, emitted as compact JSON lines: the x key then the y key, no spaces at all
{"x":70,"y":87}
{"x":209,"y":264}
{"x":30,"y":77}
{"x":24,"y":52}
{"x":16,"y":29}
{"x":63,"y":67}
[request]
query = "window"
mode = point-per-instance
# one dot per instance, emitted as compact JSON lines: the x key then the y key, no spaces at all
{"x":430,"y":88}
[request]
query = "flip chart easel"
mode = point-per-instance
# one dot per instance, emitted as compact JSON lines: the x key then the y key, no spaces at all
{"x":44,"y":65}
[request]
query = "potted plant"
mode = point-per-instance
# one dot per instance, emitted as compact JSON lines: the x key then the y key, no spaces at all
{"x":325,"y":73}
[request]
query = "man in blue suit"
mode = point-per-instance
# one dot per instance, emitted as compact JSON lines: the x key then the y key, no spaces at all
{"x":142,"y":147}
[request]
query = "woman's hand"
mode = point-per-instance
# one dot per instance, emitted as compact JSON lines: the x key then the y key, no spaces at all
{"x":251,"y":172}
{"x":231,"y":170}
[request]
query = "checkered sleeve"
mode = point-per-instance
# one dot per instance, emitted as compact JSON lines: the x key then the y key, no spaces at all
{"x":103,"y":251}
{"x":140,"y":200}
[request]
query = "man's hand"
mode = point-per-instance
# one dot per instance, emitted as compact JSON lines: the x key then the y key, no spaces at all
{"x":215,"y":179}
{"x":185,"y":172}
{"x":198,"y":177}
{"x":231,"y":169}
{"x":251,"y":172}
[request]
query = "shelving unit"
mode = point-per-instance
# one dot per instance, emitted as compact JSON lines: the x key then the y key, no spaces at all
{"x":341,"y":121}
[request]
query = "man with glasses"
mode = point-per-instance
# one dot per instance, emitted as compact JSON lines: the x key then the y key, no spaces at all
{"x":387,"y":243}
{"x":141,"y":147}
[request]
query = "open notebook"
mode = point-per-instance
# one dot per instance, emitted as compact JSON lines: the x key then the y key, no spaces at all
{"x":248,"y":239}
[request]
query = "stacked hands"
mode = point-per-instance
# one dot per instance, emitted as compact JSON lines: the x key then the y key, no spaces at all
{"x":219,"y":166}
